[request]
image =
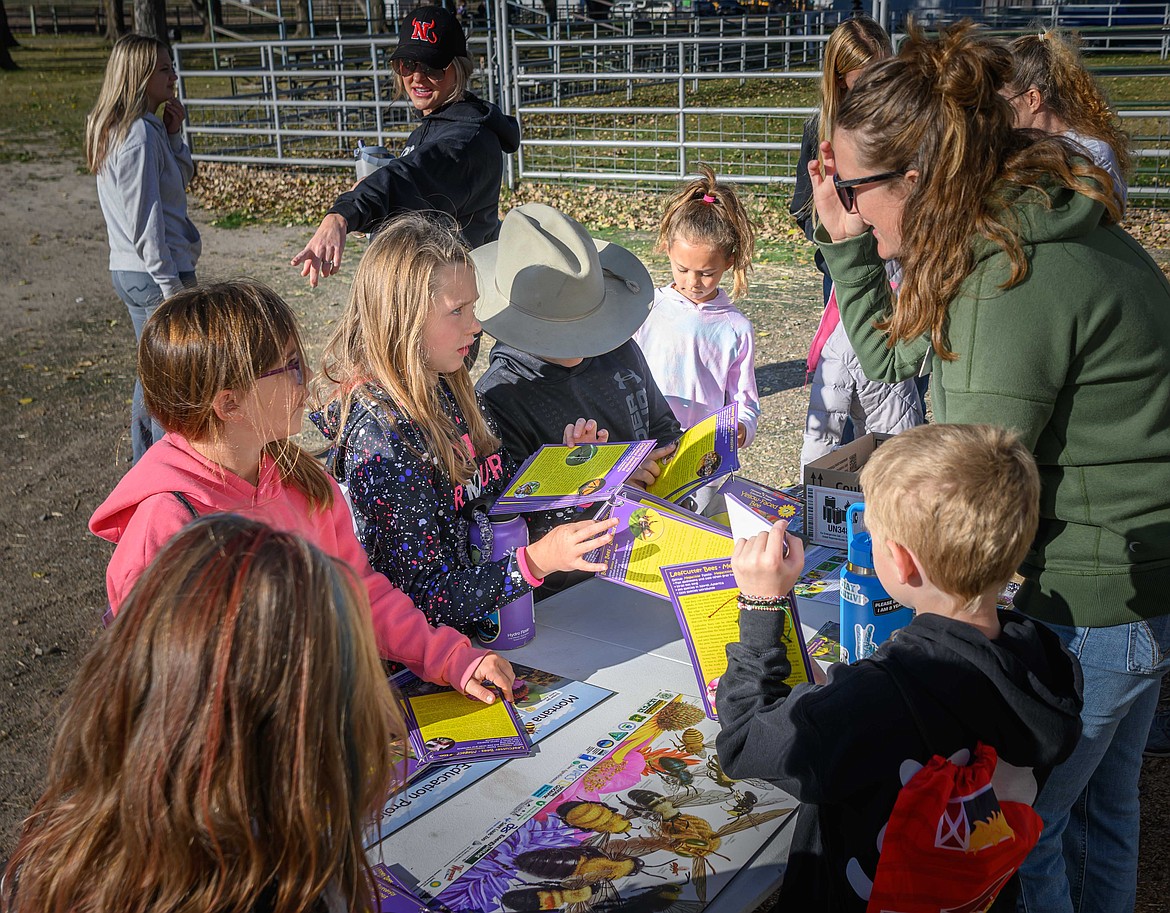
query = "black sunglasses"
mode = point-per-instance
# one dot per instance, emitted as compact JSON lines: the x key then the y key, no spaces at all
{"x":848,"y":195}
{"x":405,"y":67}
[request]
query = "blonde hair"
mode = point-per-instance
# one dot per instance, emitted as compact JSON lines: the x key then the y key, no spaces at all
{"x":936,"y":108}
{"x":216,"y":337}
{"x":225,"y":743}
{"x":464,"y":69}
{"x":965,"y":499}
{"x":853,"y":45}
{"x":122,"y":99}
{"x":722,"y":223}
{"x":379,"y":339}
{"x":1051,"y":61}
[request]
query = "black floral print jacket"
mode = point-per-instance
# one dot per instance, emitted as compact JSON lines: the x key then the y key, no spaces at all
{"x":411,"y":519}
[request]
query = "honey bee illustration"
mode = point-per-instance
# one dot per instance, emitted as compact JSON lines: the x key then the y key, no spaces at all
{"x":604,"y":820}
{"x":590,"y":864}
{"x":695,"y":838}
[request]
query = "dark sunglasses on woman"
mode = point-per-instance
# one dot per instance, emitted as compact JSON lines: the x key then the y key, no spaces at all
{"x":405,"y":67}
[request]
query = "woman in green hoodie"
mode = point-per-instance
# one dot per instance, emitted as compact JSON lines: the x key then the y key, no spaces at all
{"x":1036,"y":312}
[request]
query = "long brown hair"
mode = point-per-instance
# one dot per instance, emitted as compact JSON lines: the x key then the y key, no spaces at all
{"x":936,"y":108}
{"x":380,"y":339}
{"x":122,"y":99}
{"x":704,"y":211}
{"x":1051,"y":61}
{"x":230,"y":737}
{"x":217,"y":337}
{"x":853,"y":45}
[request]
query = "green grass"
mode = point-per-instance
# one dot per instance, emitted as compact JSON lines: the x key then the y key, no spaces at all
{"x":44,"y":103}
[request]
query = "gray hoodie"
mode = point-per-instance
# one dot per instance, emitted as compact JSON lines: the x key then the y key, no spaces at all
{"x":142,"y":191}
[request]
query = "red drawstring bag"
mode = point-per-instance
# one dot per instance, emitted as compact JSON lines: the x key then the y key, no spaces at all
{"x":951,"y":843}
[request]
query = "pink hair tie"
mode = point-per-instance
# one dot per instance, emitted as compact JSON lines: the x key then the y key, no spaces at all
{"x":708,"y":199}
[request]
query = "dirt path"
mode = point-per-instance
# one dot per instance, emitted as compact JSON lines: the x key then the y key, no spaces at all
{"x":65,"y":381}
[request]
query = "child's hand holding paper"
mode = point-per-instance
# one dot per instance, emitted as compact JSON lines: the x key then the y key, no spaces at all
{"x":767,"y":565}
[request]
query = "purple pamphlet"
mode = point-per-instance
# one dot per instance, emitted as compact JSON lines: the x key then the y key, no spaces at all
{"x":753,"y":508}
{"x":393,"y":896}
{"x":558,"y":476}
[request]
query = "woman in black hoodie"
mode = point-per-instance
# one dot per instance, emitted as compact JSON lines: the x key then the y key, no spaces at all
{"x":452,"y":162}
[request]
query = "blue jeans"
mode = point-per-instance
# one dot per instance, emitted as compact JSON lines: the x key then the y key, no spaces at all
{"x":141,"y":295}
{"x":1086,"y":860}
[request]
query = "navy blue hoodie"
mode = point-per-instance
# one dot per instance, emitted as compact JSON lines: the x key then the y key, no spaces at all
{"x":452,"y":162}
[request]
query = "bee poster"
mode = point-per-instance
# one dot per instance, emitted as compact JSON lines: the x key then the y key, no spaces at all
{"x":752,"y":508}
{"x":566,"y":476}
{"x":545,"y":701}
{"x":651,"y":534}
{"x":703,"y":594}
{"x":705,"y":452}
{"x":646,"y":823}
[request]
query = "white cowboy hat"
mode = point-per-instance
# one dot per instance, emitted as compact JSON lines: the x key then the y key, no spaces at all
{"x":549,"y":289}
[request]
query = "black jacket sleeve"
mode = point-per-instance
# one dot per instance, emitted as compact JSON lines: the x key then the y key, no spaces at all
{"x":801,"y":206}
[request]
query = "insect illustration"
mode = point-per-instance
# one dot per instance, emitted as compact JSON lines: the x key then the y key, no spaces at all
{"x":573,"y":895}
{"x":694,"y":838}
{"x":602,"y":819}
{"x":674,"y":772}
{"x":664,"y":898}
{"x":646,"y":524}
{"x":591,"y":864}
{"x":692,"y":741}
{"x":715,"y":772}
{"x":646,"y":803}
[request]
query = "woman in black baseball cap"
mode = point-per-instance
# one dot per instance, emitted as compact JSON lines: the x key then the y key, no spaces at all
{"x":453,"y":160}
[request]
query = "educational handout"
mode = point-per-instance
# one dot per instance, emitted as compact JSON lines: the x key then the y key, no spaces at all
{"x":652,"y":533}
{"x":752,"y":508}
{"x":559,"y":476}
{"x":821,"y":578}
{"x":444,"y":725}
{"x":703,"y":594}
{"x":645,"y":814}
{"x":551,"y":701}
{"x":706,"y":451}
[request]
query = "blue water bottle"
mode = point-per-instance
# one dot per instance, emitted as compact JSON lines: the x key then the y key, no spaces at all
{"x":868,"y":614}
{"x":512,"y":625}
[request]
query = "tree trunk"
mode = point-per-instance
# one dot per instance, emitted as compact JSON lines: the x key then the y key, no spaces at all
{"x":302,"y":19}
{"x":7,"y":40}
{"x":115,"y":19}
{"x":150,"y":18}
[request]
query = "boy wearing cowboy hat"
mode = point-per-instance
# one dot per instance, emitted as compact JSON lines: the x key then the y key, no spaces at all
{"x":564,"y":308}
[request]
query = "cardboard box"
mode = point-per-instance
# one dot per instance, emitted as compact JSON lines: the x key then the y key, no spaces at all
{"x":831,"y":484}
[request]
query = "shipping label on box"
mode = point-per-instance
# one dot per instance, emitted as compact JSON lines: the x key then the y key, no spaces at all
{"x":831,"y":485}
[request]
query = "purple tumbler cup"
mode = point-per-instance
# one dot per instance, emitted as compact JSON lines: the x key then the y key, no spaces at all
{"x":512,"y":625}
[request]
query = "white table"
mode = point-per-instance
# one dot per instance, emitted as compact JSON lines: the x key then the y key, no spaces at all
{"x":620,"y":639}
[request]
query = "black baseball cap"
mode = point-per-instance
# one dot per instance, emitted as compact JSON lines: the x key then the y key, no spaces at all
{"x":430,"y":35}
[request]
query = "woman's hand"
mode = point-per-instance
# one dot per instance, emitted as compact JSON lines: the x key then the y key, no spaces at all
{"x":584,"y":432}
{"x":838,"y":223}
{"x":173,"y":115}
{"x":564,"y":548}
{"x":322,"y":255}
{"x":493,"y":669}
{"x":647,"y":474}
{"x":768,"y":564}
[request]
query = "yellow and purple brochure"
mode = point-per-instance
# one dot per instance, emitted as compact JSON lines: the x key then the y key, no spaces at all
{"x":446,"y":726}
{"x":559,"y":476}
{"x":652,"y":533}
{"x":752,"y":508}
{"x":707,"y":451}
{"x":703,"y":595}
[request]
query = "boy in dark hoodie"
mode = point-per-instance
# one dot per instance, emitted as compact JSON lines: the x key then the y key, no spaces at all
{"x":952,"y":510}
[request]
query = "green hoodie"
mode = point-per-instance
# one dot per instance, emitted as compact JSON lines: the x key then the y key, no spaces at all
{"x":1076,"y":358}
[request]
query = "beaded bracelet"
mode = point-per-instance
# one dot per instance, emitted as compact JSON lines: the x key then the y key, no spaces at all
{"x":763,"y":603}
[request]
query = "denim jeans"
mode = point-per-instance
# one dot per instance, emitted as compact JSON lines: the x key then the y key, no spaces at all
{"x":1086,"y":860}
{"x":141,"y":295}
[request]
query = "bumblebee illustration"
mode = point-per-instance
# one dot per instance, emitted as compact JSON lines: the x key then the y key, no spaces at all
{"x":645,"y":803}
{"x":590,"y":864}
{"x":602,"y":819}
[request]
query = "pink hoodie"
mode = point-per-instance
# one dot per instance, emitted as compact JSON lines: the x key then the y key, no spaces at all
{"x":142,"y":513}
